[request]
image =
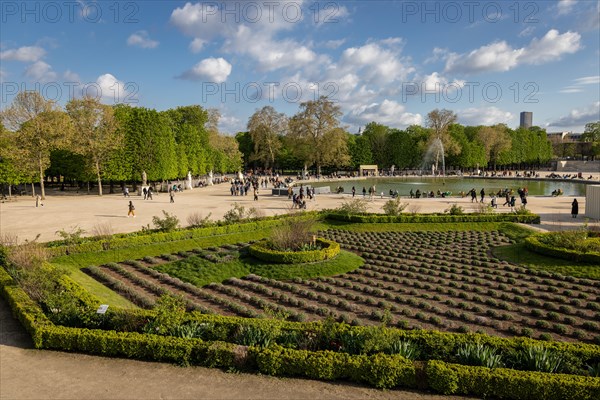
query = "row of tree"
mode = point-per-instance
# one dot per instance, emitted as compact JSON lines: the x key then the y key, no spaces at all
{"x":91,"y":141}
{"x":313,"y":137}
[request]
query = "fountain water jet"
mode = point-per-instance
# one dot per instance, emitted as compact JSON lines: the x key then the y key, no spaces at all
{"x":434,"y":159}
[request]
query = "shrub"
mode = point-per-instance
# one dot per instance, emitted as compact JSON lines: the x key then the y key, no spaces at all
{"x":406,"y":348}
{"x":328,"y":249}
{"x":239,"y":213}
{"x":354,"y":206}
{"x":294,"y":236}
{"x":538,"y":358}
{"x":455,"y":209}
{"x":394,"y":207}
{"x":167,"y":224}
{"x":478,"y":354}
{"x":196,"y":220}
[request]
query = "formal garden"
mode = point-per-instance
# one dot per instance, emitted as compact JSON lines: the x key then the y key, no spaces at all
{"x":453,"y":303}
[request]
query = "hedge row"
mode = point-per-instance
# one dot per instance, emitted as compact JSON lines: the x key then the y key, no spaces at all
{"x":161,"y":237}
{"x":379,"y":370}
{"x":534,"y":244}
{"x":329,"y":249}
{"x":501,"y":383}
{"x":434,"y":218}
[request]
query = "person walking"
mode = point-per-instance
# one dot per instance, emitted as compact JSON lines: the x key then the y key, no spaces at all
{"x":255,"y":194}
{"x":126,"y":192}
{"x":364,"y":192}
{"x":353,"y":191}
{"x":145,"y":193}
{"x":131,"y":209}
{"x":574,"y":208}
{"x":172,"y":196}
{"x":482,"y":193}
{"x":473,"y":195}
{"x":149,"y":196}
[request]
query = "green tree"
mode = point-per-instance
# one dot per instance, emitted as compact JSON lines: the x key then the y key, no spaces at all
{"x":246,"y":146}
{"x":266,"y":126}
{"x":378,"y":135}
{"x":189,"y":125}
{"x":12,"y":172}
{"x":97,"y":134}
{"x":438,"y":121}
{"x":359,"y":149}
{"x":592,"y":134}
{"x":319,"y":140}
{"x":41,"y":127}
{"x":495,"y":140}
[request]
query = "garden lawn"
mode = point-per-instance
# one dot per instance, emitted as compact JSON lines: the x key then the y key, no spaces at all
{"x":201,"y":272}
{"x":519,"y":254}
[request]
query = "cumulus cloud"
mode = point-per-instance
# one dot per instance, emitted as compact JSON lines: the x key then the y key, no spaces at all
{"x":501,"y":57}
{"x":484,"y":116}
{"x":578,"y":116}
{"x":40,"y":72}
{"x":197,"y":45}
{"x":141,"y":39}
{"x":71,"y":76}
{"x":210,"y":69}
{"x":375,"y":63}
{"x":565,"y":6}
{"x":334,"y":44}
{"x":110,"y":89}
{"x":388,"y":112}
{"x":23,"y":54}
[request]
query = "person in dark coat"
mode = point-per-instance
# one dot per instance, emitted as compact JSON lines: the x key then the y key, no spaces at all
{"x":574,"y":208}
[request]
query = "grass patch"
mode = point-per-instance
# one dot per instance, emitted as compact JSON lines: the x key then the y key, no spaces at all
{"x":516,"y":232}
{"x":106,"y":295}
{"x":519,"y":254}
{"x":200,"y":272}
{"x":411,"y":227}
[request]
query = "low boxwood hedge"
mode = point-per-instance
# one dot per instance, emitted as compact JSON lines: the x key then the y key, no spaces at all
{"x":534,"y":243}
{"x":502,"y":383}
{"x":436,"y":218}
{"x":329,"y":249}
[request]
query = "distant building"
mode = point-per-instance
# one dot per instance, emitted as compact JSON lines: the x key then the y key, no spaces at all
{"x":526,"y":120}
{"x":568,"y":137}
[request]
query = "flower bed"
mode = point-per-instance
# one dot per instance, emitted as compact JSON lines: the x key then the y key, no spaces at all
{"x":261,"y":250}
{"x":422,"y":218}
{"x":549,"y":244}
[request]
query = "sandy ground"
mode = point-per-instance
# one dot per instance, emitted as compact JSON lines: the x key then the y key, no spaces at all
{"x":26,"y":373}
{"x":67,"y":211}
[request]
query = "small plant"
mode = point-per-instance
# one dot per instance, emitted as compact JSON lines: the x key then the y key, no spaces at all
{"x":594,"y":369}
{"x":240,"y":213}
{"x":75,"y":236}
{"x":522,"y":211}
{"x":167,"y":224}
{"x":103,"y":230}
{"x":394,"y":207}
{"x":538,"y":358}
{"x":355,"y":206}
{"x":405,"y":348}
{"x":479,"y":355}
{"x":455,"y":209}
{"x":196,"y":220}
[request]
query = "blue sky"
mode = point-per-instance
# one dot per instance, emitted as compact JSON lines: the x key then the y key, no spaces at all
{"x":385,"y":61}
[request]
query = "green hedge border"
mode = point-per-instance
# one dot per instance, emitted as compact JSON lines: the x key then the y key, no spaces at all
{"x":378,"y":370}
{"x":329,"y":249}
{"x":534,"y":244}
{"x":436,"y":218}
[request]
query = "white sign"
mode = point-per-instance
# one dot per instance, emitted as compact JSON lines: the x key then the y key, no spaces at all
{"x":102,"y":309}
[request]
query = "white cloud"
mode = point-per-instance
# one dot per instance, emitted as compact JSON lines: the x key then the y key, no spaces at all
{"x":500,"y":56}
{"x":571,"y":89}
{"x":565,"y":6}
{"x":40,"y":72}
{"x":141,"y":39}
{"x":210,"y":69}
{"x":230,"y":124}
{"x":334,"y":44}
{"x":551,"y":47}
{"x":527,"y":31}
{"x":579,"y":116}
{"x":196,"y":45}
{"x":23,"y":54}
{"x":388,"y":112}
{"x":70,"y":76}
{"x":484,"y":116}
{"x":375,"y":64}
{"x":588,"y":80}
{"x":3,"y":75}
{"x":111,"y":89}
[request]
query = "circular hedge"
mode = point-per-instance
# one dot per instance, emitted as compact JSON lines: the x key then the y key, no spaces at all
{"x":542,"y":243}
{"x":261,"y":250}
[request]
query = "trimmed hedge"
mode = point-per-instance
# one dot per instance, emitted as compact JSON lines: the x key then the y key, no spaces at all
{"x":117,"y":242}
{"x":436,"y":218}
{"x":533,"y":243}
{"x":329,"y":249}
{"x":502,"y":383}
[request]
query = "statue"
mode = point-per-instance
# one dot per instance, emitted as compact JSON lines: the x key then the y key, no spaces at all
{"x":188,"y":182}
{"x":240,"y":176}
{"x":210,"y":178}
{"x":144,"y":178}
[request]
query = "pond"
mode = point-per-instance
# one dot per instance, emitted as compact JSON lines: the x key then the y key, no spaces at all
{"x":455,"y":185}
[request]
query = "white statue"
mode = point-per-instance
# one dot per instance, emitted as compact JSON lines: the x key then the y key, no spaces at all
{"x":188,"y":182}
{"x":240,"y":176}
{"x":144,"y":178}
{"x":210,"y":178}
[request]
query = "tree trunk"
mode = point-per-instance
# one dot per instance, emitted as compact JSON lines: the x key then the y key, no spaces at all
{"x":99,"y":179}
{"x":32,"y":189}
{"x":9,"y":190}
{"x":41,"y":181}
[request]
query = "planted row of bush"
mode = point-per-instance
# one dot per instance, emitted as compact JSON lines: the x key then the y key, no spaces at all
{"x":329,"y":249}
{"x":435,"y":218}
{"x":540,"y":243}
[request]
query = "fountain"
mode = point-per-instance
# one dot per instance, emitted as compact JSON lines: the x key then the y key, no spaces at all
{"x":434,"y":159}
